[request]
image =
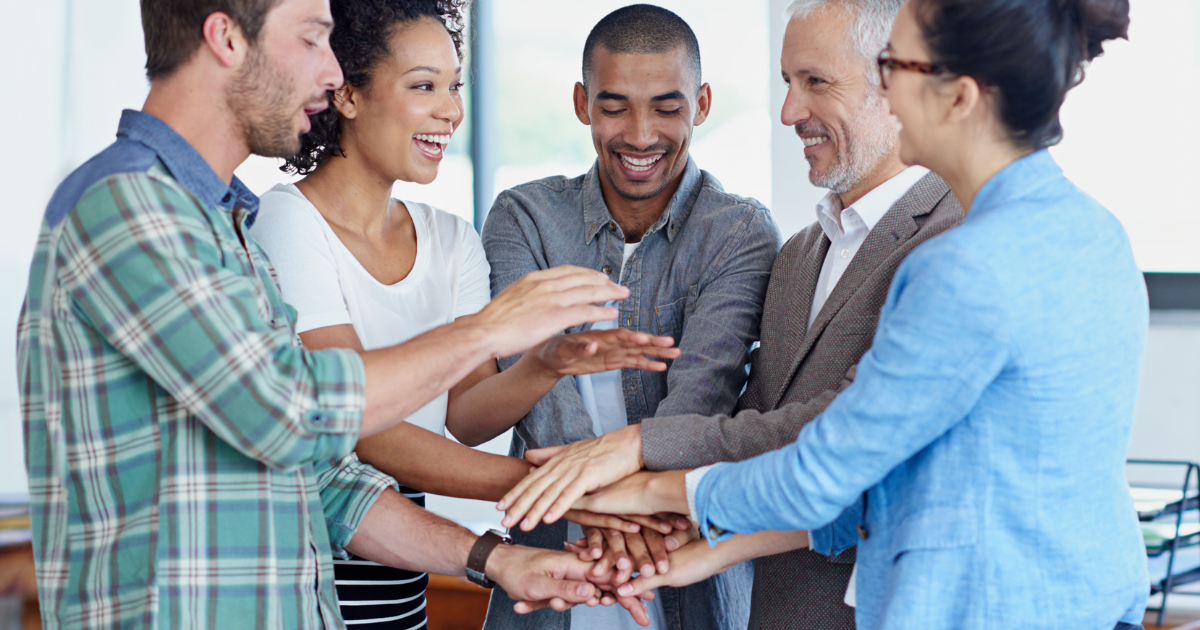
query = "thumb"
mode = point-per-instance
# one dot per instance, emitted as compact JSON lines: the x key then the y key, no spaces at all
{"x":539,"y":456}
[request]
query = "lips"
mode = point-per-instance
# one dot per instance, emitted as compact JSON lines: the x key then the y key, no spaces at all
{"x":639,"y":167}
{"x":432,"y":145}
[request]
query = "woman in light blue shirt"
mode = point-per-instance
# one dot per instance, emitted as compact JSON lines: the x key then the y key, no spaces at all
{"x":982,"y":443}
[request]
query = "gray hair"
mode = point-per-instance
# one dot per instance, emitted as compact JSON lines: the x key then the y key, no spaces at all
{"x":872,"y":23}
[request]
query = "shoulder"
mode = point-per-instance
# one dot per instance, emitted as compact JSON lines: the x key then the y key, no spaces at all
{"x":539,"y":194}
{"x":447,"y":227}
{"x":716,"y":207}
{"x":123,"y":157}
{"x":284,"y":211}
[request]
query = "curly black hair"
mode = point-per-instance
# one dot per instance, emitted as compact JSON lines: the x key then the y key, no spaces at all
{"x":362,"y":30}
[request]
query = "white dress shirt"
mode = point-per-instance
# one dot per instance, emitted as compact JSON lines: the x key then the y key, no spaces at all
{"x":847,"y":230}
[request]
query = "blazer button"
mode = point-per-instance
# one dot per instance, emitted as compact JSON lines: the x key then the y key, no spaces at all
{"x":862,"y":532}
{"x":606,"y":269}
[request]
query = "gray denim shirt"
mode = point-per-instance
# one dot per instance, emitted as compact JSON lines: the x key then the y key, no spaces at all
{"x":699,"y":276}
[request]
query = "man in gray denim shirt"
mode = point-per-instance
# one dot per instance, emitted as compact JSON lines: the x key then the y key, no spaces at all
{"x":695,"y":258}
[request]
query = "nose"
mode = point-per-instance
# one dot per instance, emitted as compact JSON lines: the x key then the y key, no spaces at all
{"x":449,"y":108}
{"x":641,"y":132}
{"x":795,"y":107}
{"x":330,"y":77}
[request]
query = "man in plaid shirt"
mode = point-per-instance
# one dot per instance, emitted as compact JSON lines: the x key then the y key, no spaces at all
{"x":190,"y":462}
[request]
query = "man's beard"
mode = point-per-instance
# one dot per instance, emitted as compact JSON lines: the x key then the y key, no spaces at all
{"x":869,"y":139}
{"x":258,"y":97}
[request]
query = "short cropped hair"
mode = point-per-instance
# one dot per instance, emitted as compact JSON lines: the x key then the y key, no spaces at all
{"x":173,"y":29}
{"x":869,"y":33}
{"x":641,"y":29}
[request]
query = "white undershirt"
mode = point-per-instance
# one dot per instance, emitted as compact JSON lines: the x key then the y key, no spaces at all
{"x":604,"y":399}
{"x":845,"y":240}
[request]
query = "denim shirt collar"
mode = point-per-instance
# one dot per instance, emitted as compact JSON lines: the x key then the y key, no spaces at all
{"x":1021,"y":178}
{"x":596,"y":215}
{"x":185,"y":163}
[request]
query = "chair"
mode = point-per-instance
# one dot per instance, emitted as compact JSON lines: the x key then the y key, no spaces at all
{"x":1169,"y":524}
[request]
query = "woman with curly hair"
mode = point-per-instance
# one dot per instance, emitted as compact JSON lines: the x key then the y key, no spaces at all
{"x":364,"y":270}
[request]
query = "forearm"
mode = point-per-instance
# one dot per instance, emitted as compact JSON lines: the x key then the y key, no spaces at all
{"x":691,"y":441}
{"x":402,"y":379}
{"x":496,"y":403}
{"x":426,"y":461}
{"x":397,"y":533}
{"x":749,"y":546}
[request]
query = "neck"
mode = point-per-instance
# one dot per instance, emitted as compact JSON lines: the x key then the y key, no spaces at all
{"x":635,"y":216}
{"x":198,"y":113}
{"x":967,"y":171}
{"x":349,"y":192}
{"x":891,"y":167}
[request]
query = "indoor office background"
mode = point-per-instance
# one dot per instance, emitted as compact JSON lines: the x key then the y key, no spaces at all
{"x":1131,"y":133}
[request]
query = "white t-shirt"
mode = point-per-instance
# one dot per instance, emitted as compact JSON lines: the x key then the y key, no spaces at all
{"x":604,"y":400}
{"x":327,"y":285}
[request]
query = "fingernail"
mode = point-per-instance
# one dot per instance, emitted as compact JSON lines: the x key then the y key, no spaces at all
{"x":647,"y":569}
{"x":625,"y":589}
{"x":683,"y":523}
{"x":584,"y":590}
{"x":501,"y":506}
{"x":623,"y":563}
{"x":526,"y":524}
{"x":663,"y":566}
{"x":671,"y":544}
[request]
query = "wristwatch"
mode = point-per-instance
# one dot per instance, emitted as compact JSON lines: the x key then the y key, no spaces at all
{"x":477,"y":559}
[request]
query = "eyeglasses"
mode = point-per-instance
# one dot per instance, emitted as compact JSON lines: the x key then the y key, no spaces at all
{"x":887,"y":65}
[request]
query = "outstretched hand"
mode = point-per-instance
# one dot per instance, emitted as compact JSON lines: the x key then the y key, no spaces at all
{"x":568,"y":472}
{"x":640,"y":493}
{"x":593,"y":351}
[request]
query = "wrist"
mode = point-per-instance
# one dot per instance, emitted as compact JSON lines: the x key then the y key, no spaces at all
{"x":502,"y":558}
{"x":476,"y":335}
{"x":534,"y":366}
{"x":669,"y":490}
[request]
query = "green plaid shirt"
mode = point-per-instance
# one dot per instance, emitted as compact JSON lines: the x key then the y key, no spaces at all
{"x":189,"y":461}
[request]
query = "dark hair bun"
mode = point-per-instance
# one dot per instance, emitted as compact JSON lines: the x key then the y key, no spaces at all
{"x":1098,"y":21}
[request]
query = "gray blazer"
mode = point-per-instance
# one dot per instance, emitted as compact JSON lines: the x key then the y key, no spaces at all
{"x":795,"y":374}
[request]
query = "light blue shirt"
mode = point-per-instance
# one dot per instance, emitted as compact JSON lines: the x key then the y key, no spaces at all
{"x":989,"y":423}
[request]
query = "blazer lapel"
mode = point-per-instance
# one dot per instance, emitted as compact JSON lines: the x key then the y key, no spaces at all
{"x":894,"y":228}
{"x":797,"y":303}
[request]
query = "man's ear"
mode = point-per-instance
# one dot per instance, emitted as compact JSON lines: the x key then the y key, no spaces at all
{"x":581,"y":105}
{"x":345,"y":100}
{"x":224,"y":39}
{"x":703,"y":104}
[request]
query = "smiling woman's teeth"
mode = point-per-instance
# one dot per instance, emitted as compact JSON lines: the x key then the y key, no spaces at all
{"x":639,"y":164}
{"x":812,"y":142}
{"x":442,"y":139}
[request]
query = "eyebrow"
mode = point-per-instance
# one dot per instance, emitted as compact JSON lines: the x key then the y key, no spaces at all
{"x":431,"y":69}
{"x":321,"y":22}
{"x":613,"y":96}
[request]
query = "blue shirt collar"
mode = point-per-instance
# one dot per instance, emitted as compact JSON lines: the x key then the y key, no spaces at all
{"x":1023,"y":177}
{"x":185,"y":164}
{"x":596,"y":215}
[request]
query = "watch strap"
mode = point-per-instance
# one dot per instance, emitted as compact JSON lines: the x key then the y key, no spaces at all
{"x":477,"y":559}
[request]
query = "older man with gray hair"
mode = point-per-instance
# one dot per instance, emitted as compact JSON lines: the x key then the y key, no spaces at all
{"x":823,"y":302}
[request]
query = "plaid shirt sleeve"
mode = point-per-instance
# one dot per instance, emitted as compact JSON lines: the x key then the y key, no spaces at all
{"x":147,"y":269}
{"x":348,"y":490}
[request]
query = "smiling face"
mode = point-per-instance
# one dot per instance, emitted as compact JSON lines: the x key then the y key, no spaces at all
{"x":285,"y":77}
{"x":402,"y":121}
{"x":641,"y":109}
{"x":845,"y":126}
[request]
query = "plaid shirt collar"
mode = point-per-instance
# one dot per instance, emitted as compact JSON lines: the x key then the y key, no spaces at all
{"x":185,"y":163}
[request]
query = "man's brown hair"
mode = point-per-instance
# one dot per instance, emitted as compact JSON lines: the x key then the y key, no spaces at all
{"x":173,"y":29}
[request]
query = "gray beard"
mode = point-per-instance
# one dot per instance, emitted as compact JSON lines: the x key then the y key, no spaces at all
{"x":869,"y":139}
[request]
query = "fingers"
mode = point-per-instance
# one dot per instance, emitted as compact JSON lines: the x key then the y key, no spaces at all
{"x":540,"y":456}
{"x":677,"y":539}
{"x":539,"y":587}
{"x":641,"y":585}
{"x":656,"y":545}
{"x":595,"y":542}
{"x":584,"y":518}
{"x":655,"y":522}
{"x":619,"y":556}
{"x":639,"y":552}
{"x":636,"y":608}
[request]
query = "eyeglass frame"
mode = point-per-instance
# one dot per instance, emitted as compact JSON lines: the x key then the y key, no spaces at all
{"x":885,"y":60}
